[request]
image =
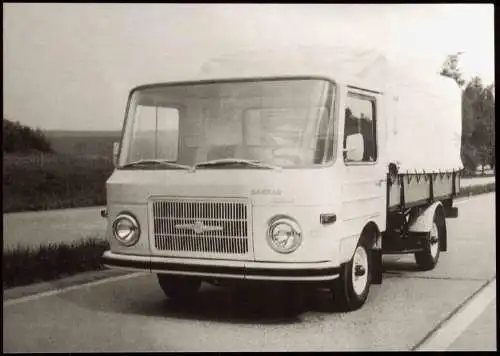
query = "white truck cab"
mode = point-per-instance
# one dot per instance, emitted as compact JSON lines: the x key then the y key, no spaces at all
{"x":243,"y":175}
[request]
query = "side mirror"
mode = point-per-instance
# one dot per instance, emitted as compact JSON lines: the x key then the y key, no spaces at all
{"x":355,"y":147}
{"x":116,"y":149}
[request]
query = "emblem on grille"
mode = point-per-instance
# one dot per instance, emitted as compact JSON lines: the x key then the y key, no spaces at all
{"x":198,"y":227}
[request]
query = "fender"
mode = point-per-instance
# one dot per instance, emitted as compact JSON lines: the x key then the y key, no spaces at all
{"x":349,"y":243}
{"x":423,"y":223}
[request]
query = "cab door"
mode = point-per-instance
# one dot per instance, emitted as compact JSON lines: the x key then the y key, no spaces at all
{"x":364,"y":174}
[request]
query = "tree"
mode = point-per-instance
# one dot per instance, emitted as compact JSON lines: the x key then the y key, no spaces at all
{"x":478,"y":116}
{"x":469,"y":156}
{"x":450,"y":68}
{"x":20,"y":138}
{"x":478,"y":124}
{"x":484,"y":134}
{"x":490,"y":114}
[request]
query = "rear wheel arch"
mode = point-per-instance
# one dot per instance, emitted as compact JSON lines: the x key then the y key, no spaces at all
{"x":443,"y":246}
{"x":423,"y":222}
{"x":428,"y":258}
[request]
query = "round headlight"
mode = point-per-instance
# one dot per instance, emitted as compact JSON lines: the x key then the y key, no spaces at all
{"x":284,"y":235}
{"x":126,"y":229}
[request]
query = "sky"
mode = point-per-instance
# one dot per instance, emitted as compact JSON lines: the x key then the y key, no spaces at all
{"x":70,"y":66}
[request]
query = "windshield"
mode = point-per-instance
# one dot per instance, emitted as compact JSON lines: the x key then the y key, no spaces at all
{"x":282,"y":123}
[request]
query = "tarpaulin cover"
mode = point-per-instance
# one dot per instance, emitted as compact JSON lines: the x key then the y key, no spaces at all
{"x":421,"y":124}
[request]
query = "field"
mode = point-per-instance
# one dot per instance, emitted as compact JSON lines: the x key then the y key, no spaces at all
{"x":83,"y":143}
{"x":73,"y":176}
{"x":40,"y":182}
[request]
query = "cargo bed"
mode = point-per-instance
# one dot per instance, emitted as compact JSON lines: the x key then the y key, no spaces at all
{"x":410,"y":190}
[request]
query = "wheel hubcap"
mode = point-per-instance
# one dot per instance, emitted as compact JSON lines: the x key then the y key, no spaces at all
{"x":359,"y":271}
{"x":434,"y":241}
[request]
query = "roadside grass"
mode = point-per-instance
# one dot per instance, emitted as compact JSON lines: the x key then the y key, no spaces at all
{"x":479,"y":175}
{"x":27,"y":265}
{"x":54,"y":181}
{"x":23,"y":265}
{"x":476,"y":189}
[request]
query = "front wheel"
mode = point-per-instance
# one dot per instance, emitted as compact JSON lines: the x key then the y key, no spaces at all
{"x":353,"y":285}
{"x":179,"y":287}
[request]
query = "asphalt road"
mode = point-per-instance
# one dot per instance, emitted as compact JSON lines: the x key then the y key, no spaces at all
{"x":34,"y":228}
{"x":68,"y":225}
{"x":133,"y":315}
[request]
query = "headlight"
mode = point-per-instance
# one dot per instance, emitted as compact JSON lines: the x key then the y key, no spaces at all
{"x":126,"y":229}
{"x":284,"y":235}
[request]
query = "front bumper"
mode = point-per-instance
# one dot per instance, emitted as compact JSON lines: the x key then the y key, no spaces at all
{"x":322,"y":271}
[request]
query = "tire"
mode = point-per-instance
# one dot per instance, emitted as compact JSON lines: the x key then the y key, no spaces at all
{"x":429,"y":257}
{"x":351,"y":290}
{"x":179,"y":287}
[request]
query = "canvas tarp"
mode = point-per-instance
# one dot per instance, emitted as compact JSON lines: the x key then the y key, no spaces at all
{"x":422,"y":118}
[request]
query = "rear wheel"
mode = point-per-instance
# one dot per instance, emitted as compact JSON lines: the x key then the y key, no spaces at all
{"x":179,"y":287}
{"x":429,"y":257}
{"x":353,"y":285}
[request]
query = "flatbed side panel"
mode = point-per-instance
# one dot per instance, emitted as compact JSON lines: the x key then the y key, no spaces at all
{"x":410,"y":190}
{"x":443,"y":185}
{"x":417,"y":187}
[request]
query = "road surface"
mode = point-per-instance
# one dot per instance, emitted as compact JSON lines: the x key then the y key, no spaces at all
{"x":34,"y":228}
{"x":132,"y":314}
{"x":68,"y":225}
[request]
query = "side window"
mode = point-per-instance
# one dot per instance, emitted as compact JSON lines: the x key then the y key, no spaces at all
{"x":360,"y":119}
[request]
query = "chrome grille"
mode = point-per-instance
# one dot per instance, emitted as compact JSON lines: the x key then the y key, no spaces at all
{"x":215,"y":226}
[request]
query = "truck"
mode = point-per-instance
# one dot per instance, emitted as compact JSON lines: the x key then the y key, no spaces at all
{"x":300,"y":166}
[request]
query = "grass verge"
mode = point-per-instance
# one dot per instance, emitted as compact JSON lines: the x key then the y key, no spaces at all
{"x":476,"y":189}
{"x":479,"y":175}
{"x":25,"y":265}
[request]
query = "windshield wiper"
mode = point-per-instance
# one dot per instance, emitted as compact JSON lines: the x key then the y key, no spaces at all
{"x":156,"y":162}
{"x":230,"y":161}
